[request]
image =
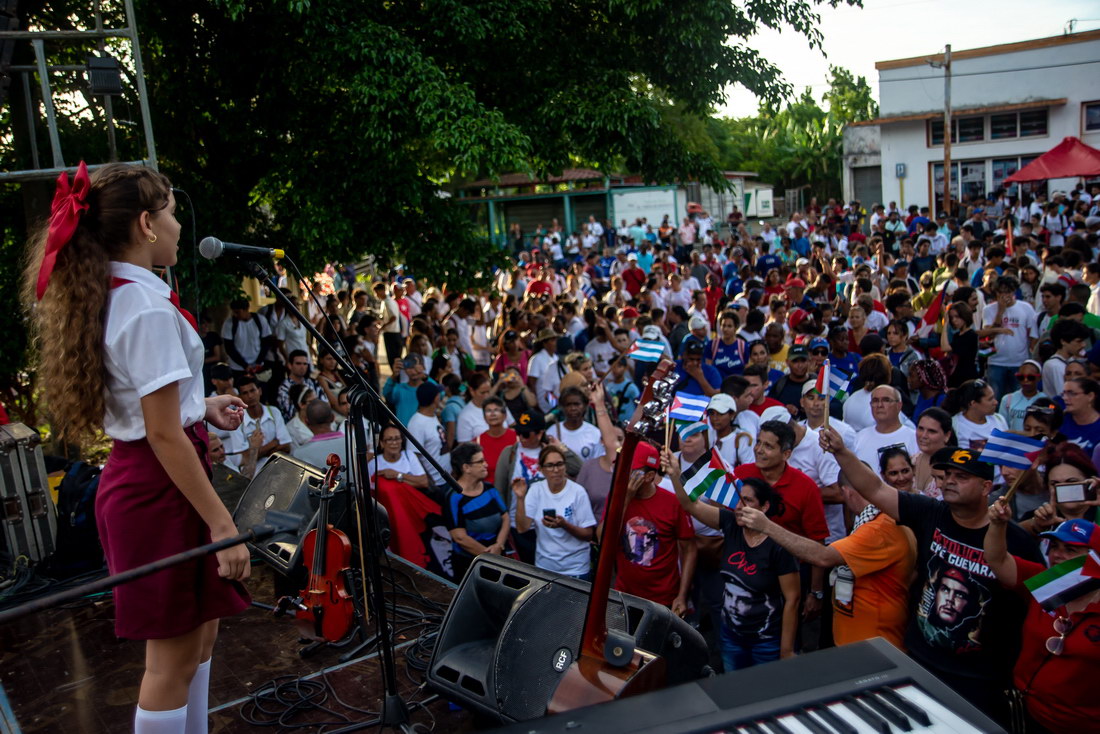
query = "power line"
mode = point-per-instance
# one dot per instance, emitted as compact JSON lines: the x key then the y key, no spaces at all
{"x":994,"y":71}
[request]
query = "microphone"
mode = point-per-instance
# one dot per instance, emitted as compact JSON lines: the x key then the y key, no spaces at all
{"x":212,"y":248}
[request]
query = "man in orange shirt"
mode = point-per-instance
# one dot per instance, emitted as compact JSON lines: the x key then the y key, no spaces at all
{"x":873,"y":568}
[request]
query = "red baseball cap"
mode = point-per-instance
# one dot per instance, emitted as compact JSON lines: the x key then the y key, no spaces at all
{"x":646,"y":457}
{"x":629,"y":313}
{"x":794,"y":283}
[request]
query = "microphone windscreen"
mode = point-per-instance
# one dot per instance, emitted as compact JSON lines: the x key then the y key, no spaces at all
{"x":210,"y":247}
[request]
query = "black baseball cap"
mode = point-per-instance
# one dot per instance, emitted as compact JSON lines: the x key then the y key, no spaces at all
{"x":799,"y":351}
{"x":530,"y":421}
{"x":953,"y":457}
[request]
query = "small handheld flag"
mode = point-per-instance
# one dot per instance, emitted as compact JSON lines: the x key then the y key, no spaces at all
{"x":1010,"y":449}
{"x":712,"y":478}
{"x":643,"y":350}
{"x":688,"y":407}
{"x":1063,"y":583}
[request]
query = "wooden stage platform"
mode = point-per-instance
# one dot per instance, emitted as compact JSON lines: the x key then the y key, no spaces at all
{"x":65,"y":671}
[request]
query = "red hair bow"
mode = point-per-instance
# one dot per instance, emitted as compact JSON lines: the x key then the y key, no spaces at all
{"x":68,"y":204}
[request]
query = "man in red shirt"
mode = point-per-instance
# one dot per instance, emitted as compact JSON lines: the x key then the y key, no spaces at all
{"x":656,"y":542}
{"x":633,"y":276}
{"x":542,"y":286}
{"x":803,"y":511}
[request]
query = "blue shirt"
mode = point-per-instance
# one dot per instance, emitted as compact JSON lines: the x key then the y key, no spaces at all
{"x":767,"y":262}
{"x":1086,"y":436}
{"x":801,"y":246}
{"x":847,"y":365}
{"x":479,"y":516}
{"x":624,"y":395}
{"x":918,"y":223}
{"x":728,"y":359}
{"x":645,"y":261}
{"x":402,"y":398}
{"x":690,"y":385}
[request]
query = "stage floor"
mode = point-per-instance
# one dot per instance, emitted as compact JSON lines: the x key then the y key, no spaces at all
{"x":65,"y":671}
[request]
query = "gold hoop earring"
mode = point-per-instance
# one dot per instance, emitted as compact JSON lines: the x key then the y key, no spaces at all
{"x":152,"y":239}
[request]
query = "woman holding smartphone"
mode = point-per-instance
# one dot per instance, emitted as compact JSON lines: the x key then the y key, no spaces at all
{"x":1069,"y":466}
{"x":561,"y":513}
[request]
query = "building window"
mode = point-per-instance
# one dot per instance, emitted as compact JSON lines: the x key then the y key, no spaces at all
{"x":971,"y":129}
{"x":966,"y":176}
{"x":1092,"y":117}
{"x":1003,"y":126}
{"x":965,"y":129}
{"x":1002,"y":169}
{"x":1033,"y":123}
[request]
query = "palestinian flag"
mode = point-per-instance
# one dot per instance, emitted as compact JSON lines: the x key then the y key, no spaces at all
{"x":836,"y":380}
{"x":711,"y":478}
{"x":1063,"y":583}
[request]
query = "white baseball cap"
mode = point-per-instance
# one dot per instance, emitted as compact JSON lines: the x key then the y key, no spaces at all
{"x":722,"y":403}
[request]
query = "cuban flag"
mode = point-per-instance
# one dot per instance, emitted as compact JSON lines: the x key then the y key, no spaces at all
{"x":587,"y":290}
{"x":1010,"y":449}
{"x":646,"y":351}
{"x":688,"y":407}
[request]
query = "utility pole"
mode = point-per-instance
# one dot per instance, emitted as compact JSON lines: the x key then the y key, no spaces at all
{"x":946,"y":131}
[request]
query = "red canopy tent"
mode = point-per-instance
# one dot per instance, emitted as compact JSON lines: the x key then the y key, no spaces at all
{"x":1069,"y":159}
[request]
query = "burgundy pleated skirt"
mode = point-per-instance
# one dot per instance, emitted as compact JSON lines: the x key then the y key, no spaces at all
{"x":142,"y":517}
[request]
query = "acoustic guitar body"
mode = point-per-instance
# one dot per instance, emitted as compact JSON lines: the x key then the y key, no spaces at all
{"x":590,"y":681}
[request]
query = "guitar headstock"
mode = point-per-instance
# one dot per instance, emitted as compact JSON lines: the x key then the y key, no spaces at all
{"x":653,"y":405}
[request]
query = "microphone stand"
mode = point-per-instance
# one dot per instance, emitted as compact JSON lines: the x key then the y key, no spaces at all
{"x":364,"y":401}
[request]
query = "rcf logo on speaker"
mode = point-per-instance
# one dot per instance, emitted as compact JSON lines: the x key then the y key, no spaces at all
{"x":562,"y":658}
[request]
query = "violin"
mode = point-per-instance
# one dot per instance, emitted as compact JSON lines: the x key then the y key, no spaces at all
{"x":325,"y":609}
{"x":608,"y":666}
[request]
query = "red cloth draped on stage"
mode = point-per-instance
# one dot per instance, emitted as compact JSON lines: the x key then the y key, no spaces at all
{"x":409,"y":510}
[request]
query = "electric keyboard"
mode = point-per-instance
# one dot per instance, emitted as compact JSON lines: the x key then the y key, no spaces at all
{"x":863,"y":688}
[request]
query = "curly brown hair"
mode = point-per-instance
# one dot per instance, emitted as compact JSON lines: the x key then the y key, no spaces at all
{"x":68,"y":323}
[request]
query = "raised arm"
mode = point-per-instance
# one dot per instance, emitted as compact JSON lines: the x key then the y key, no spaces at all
{"x":997,"y":557}
{"x":862,"y":478}
{"x":603,"y":420}
{"x":802,"y":548}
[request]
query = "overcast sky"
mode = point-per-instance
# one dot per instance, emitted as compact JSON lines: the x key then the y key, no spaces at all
{"x":895,"y":29}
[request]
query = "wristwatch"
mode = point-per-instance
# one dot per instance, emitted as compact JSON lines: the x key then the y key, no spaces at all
{"x":818,"y":594}
{"x":401,"y":478}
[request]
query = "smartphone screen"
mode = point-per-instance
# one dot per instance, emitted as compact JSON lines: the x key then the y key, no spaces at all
{"x":550,"y":513}
{"x":1071,"y":492}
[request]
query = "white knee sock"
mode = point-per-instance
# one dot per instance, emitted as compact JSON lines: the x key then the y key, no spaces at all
{"x":198,"y":700}
{"x":160,"y":722}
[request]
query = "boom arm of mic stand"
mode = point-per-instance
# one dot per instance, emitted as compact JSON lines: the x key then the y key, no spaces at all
{"x":362,"y":392}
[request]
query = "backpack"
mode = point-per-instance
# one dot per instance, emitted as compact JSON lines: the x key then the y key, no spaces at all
{"x":78,"y":547}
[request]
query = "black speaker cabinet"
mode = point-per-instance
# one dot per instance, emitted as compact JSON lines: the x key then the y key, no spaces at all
{"x":512,"y":630}
{"x":284,"y":485}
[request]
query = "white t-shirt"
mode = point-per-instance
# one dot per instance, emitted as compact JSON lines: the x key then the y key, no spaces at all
{"x":147,"y":345}
{"x":857,"y":410}
{"x":247,"y":341}
{"x":586,"y":441}
{"x":405,"y":464}
{"x":272,"y":427}
{"x":555,"y":548}
{"x":1014,"y":348}
{"x":428,"y":431}
{"x":548,"y":383}
{"x":293,"y":337}
{"x":809,"y":458}
{"x":967,"y":430}
{"x":538,"y":363}
{"x":471,"y":423}
{"x":601,"y":352}
{"x":299,"y":432}
{"x":744,"y":423}
{"x":869,"y":443}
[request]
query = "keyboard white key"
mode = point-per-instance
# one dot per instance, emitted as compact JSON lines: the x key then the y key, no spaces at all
{"x":943,"y":719}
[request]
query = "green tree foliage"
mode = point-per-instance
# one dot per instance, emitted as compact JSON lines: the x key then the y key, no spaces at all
{"x":800,"y":144}
{"x":332,"y":128}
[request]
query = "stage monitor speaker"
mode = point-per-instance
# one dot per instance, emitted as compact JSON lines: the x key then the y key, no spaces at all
{"x":285,"y":484}
{"x":512,"y":630}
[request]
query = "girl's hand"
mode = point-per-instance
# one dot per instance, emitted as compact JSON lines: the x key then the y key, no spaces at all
{"x":225,"y":411}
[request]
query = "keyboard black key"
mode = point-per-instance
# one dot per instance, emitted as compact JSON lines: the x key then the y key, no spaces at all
{"x":907,"y":707}
{"x":752,"y":728}
{"x":869,"y":717}
{"x":888,"y":712}
{"x":811,"y":723}
{"x":837,"y":723}
{"x":776,"y":726}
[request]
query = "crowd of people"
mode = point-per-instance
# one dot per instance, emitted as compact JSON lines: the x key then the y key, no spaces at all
{"x":864,"y":510}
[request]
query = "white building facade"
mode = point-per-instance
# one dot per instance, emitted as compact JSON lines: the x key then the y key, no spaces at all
{"x":1010,"y":104}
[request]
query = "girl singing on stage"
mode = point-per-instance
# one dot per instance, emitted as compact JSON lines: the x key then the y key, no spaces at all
{"x":117,"y":352}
